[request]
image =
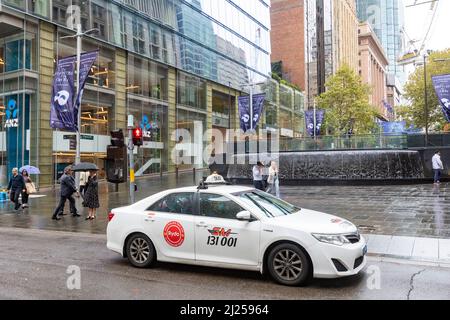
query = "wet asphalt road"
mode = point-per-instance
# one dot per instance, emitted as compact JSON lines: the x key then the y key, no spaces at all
{"x":33,"y":265}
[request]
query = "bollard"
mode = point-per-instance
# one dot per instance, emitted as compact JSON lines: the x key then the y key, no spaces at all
{"x":176,"y":173}
{"x":193,"y":170}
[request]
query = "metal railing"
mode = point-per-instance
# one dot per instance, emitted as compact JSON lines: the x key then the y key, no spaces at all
{"x":326,"y":143}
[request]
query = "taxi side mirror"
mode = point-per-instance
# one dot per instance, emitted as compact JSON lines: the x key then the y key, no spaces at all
{"x":244,"y":216}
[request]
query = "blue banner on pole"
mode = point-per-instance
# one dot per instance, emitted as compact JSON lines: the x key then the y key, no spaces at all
{"x":86,"y":62}
{"x":442,"y":87}
{"x":309,"y":118}
{"x":320,"y":117}
{"x":244,"y":111}
{"x":258,"y":108}
{"x":62,"y":108}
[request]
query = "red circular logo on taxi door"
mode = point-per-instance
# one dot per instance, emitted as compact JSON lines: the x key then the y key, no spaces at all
{"x":174,"y":234}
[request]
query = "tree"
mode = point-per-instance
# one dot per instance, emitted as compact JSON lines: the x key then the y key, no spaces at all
{"x":414,"y":113}
{"x":346,"y":104}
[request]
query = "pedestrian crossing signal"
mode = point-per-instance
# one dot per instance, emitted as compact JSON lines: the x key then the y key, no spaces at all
{"x":137,"y":137}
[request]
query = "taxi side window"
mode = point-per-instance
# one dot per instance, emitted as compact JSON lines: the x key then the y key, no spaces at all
{"x":218,"y":206}
{"x":181,"y":203}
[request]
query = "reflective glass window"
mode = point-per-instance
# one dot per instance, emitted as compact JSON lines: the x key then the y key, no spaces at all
{"x":39,"y":7}
{"x":191,"y":91}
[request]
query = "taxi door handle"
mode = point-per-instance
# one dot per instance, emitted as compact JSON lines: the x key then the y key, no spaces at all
{"x":149,"y":219}
{"x":202,"y":225}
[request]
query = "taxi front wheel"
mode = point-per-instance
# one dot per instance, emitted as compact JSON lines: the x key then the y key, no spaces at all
{"x":140,"y":250}
{"x":289,"y":265}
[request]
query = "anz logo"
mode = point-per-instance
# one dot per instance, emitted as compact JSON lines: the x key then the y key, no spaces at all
{"x":12,"y":114}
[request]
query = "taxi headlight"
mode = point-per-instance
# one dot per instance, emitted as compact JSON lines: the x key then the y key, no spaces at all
{"x":336,"y":239}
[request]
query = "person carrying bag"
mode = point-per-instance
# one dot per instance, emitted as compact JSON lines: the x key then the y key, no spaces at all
{"x":29,"y":188}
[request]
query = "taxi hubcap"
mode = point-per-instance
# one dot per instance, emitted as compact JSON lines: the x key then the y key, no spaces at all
{"x":287,"y":264}
{"x":139,"y":250}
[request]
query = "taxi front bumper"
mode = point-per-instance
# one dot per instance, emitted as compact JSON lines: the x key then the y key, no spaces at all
{"x":332,"y":261}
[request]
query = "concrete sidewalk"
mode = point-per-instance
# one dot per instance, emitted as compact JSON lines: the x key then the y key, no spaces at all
{"x":429,"y":251}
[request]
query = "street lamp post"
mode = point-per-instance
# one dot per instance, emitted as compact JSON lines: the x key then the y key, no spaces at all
{"x":79,"y":36}
{"x":425,"y":97}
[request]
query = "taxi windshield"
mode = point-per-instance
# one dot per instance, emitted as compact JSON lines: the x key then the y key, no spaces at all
{"x":267,"y":204}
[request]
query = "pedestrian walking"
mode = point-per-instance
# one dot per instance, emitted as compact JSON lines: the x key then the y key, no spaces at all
{"x":273,"y":180}
{"x":437,"y":166}
{"x":15,"y":187}
{"x":29,"y":188}
{"x":67,"y":190}
{"x":83,"y":181}
{"x":91,"y":195}
{"x":258,"y":176}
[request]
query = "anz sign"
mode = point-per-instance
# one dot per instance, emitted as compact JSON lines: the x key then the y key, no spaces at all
{"x":12,"y":114}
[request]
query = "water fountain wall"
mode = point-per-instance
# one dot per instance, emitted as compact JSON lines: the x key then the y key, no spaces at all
{"x":336,"y":165}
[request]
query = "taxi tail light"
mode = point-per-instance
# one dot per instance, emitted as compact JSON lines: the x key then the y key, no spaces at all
{"x":110,"y":216}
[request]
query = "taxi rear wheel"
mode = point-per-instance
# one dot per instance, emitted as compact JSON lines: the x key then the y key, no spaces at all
{"x":289,"y":265}
{"x":140,"y":250}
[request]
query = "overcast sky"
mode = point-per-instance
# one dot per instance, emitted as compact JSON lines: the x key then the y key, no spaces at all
{"x":417,"y":20}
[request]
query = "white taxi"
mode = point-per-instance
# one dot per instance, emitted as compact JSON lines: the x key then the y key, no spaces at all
{"x":236,"y":227}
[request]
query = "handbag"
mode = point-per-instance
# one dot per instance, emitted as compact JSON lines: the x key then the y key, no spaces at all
{"x":30,"y":187}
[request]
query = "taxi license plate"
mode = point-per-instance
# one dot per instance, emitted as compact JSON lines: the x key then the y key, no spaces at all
{"x":364,"y":250}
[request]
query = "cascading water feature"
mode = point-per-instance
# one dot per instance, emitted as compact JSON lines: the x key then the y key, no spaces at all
{"x":337,"y":165}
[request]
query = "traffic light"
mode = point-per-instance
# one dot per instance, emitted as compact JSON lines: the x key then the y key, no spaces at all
{"x":138,"y":139}
{"x":117,"y":138}
{"x":116,"y":158}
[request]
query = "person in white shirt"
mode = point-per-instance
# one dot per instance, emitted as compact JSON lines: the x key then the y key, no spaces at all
{"x":273,"y":181}
{"x":83,"y":181}
{"x":258,"y":176}
{"x":437,"y":166}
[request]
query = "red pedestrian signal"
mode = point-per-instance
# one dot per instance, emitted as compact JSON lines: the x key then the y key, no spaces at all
{"x":137,"y":137}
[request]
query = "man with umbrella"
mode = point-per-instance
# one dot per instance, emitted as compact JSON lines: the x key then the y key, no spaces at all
{"x":68,"y":188}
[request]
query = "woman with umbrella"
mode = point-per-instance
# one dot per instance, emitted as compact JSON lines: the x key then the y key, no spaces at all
{"x":30,"y":188}
{"x":91,"y":188}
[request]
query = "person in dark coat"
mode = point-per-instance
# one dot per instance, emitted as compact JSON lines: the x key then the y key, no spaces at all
{"x":67,"y":190}
{"x":15,"y":187}
{"x":91,"y":195}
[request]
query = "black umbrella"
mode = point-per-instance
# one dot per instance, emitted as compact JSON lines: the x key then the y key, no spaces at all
{"x":85,"y":166}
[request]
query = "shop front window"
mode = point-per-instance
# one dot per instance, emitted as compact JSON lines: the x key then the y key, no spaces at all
{"x":191,"y":91}
{"x":39,"y":7}
{"x":12,"y":50}
{"x":16,"y":3}
{"x":191,"y":126}
{"x":147,"y":78}
{"x":94,"y":119}
{"x":153,"y":120}
{"x":286,"y":96}
{"x":285,"y":119}
{"x":271,"y":115}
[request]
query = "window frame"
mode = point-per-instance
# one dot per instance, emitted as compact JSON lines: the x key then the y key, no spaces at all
{"x":195,"y":204}
{"x":207,"y":192}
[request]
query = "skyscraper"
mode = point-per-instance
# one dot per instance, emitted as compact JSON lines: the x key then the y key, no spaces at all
{"x":331,"y":41}
{"x":386,"y":18}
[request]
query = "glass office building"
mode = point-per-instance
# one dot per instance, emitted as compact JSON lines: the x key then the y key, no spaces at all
{"x":172,"y":64}
{"x":386,"y":17}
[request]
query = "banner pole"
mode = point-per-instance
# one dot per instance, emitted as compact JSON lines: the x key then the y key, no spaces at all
{"x":78,"y":155}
